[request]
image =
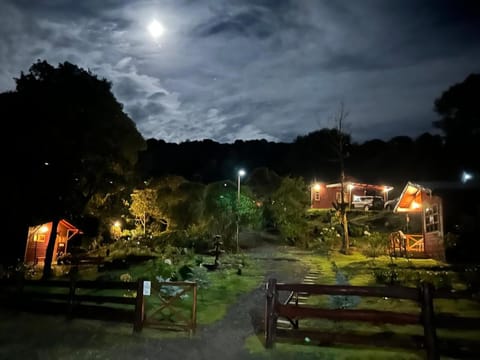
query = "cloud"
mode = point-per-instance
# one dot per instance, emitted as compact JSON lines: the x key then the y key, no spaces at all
{"x":242,"y":69}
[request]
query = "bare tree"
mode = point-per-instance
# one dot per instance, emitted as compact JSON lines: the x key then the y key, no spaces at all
{"x":340,"y":118}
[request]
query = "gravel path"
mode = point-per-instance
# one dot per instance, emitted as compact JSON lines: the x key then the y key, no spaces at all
{"x":54,"y":338}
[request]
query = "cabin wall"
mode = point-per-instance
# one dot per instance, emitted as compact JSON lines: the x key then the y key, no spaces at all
{"x":433,"y":228}
{"x":37,"y":243}
{"x":434,"y":246}
{"x":325,"y":197}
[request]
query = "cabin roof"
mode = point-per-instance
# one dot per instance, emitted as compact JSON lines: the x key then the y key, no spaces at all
{"x":411,"y":198}
{"x":361,"y":185}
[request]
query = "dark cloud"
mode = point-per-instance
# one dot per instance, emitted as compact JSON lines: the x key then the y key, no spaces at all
{"x":246,"y":69}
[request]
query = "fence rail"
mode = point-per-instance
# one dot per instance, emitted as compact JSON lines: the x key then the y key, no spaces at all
{"x":72,"y":299}
{"x":107,"y":300}
{"x":426,"y":317}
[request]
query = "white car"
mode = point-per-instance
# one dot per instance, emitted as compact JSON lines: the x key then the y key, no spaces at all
{"x":367,"y":202}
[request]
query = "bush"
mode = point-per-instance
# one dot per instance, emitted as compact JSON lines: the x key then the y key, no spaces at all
{"x":355,"y":230}
{"x":160,"y":268}
{"x":413,"y":277}
{"x":326,"y":240}
{"x":376,"y":245}
{"x":200,"y":276}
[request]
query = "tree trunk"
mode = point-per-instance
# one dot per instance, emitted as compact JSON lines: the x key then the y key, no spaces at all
{"x":343,"y":215}
{"x":343,"y":205}
{"x":47,"y":267}
{"x":346,"y":238}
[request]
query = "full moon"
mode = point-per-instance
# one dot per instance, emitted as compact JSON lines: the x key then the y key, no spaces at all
{"x":156,"y":29}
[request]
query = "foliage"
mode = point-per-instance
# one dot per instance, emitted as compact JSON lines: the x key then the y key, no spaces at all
{"x":249,"y":211}
{"x":168,"y":196}
{"x":73,"y":140}
{"x":144,"y":208}
{"x":223,"y":209}
{"x":459,"y":109}
{"x":326,"y":240}
{"x":188,"y":207}
{"x":394,"y":275}
{"x":159,"y":268}
{"x":220,"y":210}
{"x":199,"y":274}
{"x":289,"y":204}
{"x":377,"y":244}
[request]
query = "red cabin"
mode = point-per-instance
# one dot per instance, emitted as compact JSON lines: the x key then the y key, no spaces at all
{"x":37,"y":241}
{"x":417,"y":200}
{"x":322,"y":196}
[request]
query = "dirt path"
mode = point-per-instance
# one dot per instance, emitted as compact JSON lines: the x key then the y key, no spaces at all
{"x":54,"y":338}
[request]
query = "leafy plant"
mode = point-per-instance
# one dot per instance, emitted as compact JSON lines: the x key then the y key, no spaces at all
{"x":200,"y":276}
{"x":325,"y":241}
{"x":376,"y":245}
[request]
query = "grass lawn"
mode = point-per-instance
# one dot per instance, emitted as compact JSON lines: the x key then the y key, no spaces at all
{"x":358,"y":270}
{"x":217,"y":290}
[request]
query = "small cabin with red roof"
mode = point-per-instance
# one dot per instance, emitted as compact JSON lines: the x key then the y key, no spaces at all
{"x":37,"y":241}
{"x":418,"y":200}
{"x":322,"y":196}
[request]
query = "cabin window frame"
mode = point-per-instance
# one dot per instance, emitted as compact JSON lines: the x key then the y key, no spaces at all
{"x":432,"y":218}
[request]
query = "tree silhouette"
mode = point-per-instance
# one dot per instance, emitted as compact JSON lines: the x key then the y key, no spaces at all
{"x":459,"y":108}
{"x":72,"y":139}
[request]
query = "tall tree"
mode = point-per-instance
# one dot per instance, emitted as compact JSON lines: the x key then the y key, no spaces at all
{"x":72,"y":139}
{"x":459,"y":108}
{"x":289,"y":204}
{"x":341,"y":142}
{"x":144,"y":206}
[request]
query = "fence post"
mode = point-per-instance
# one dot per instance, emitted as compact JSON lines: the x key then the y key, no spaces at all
{"x":139,"y":308}
{"x":428,"y":319}
{"x":71,"y":298}
{"x":270,"y":314}
{"x":295,"y":323}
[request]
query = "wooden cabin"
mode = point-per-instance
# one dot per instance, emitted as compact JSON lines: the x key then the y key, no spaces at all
{"x":418,"y":200}
{"x":322,"y":196}
{"x":37,"y":241}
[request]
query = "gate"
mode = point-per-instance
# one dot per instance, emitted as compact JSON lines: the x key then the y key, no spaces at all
{"x":172,"y":305}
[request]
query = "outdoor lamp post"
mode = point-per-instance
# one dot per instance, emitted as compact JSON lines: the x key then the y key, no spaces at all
{"x":241,"y":173}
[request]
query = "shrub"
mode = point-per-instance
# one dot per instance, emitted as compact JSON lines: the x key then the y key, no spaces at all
{"x":413,"y":277}
{"x":160,"y":268}
{"x":376,"y":245}
{"x":200,"y":276}
{"x":355,"y":230}
{"x":326,"y":240}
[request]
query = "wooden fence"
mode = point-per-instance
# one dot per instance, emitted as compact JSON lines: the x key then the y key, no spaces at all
{"x":113,"y":300}
{"x":427,"y":318}
{"x":90,"y":299}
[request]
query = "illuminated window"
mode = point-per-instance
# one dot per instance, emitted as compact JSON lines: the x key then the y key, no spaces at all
{"x":432,"y":218}
{"x":39,"y":237}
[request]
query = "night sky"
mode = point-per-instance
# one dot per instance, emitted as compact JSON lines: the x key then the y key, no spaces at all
{"x":271,"y":69}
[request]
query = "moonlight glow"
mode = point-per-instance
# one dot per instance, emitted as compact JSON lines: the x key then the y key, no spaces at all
{"x":156,"y":29}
